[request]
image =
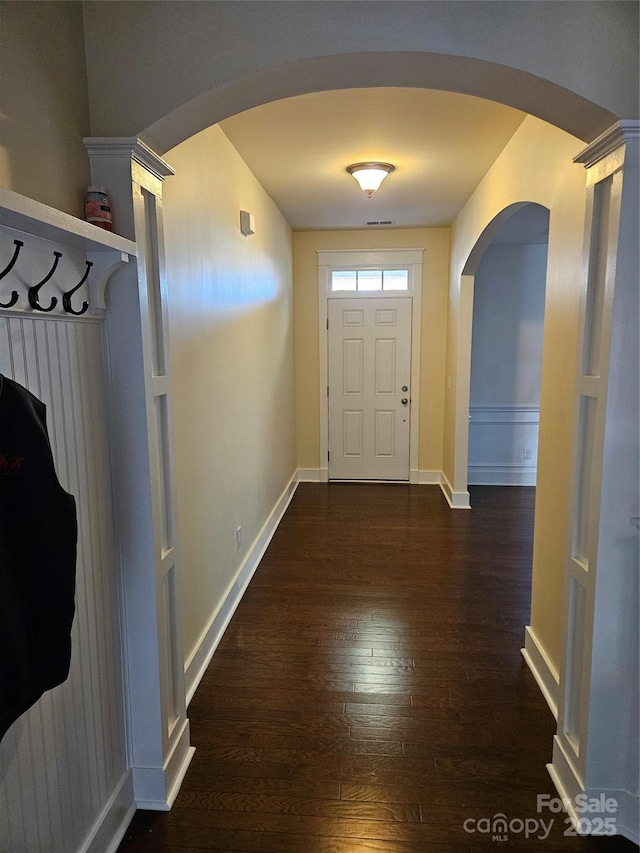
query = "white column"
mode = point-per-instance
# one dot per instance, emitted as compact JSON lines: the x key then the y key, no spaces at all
{"x":596,"y":746}
{"x":142,"y":436}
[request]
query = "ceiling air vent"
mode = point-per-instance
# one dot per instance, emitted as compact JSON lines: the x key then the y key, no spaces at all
{"x":380,"y":222}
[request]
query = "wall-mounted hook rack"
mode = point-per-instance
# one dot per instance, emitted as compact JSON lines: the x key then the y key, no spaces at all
{"x":66,"y":297}
{"x":33,"y":291}
{"x":14,"y":293}
{"x":37,"y":227}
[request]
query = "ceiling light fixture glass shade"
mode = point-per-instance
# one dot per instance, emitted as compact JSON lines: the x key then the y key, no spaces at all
{"x":370,"y":175}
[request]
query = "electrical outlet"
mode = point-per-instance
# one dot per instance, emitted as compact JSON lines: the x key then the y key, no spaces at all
{"x":238,"y":537}
{"x":526,"y":453}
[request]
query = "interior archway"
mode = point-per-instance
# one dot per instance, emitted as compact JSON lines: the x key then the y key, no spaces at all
{"x":467,"y":282}
{"x":519,"y":89}
{"x":487,"y":233}
{"x":506,"y":352}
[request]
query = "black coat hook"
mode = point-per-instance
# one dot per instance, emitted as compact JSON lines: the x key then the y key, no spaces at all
{"x":14,"y":293}
{"x":66,"y":297}
{"x":33,"y":291}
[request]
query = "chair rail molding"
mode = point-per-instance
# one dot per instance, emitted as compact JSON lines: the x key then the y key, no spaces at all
{"x":503,"y":444}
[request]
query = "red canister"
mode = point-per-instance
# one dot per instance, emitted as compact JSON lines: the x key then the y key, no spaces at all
{"x":98,"y":209}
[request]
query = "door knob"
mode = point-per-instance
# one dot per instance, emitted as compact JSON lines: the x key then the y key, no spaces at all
{"x":404,"y":401}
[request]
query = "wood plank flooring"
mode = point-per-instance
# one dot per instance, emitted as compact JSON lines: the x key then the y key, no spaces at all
{"x":369,"y":695}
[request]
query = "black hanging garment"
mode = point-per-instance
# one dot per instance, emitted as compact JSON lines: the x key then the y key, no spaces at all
{"x":38,"y":534}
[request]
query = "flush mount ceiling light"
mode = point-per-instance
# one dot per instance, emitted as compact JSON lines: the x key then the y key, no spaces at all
{"x":370,"y":175}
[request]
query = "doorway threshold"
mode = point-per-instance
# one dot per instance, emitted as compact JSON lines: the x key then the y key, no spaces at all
{"x":372,"y":482}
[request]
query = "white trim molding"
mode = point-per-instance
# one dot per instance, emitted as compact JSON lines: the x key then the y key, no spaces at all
{"x":429,"y":478}
{"x":113,"y":821}
{"x":596,"y":744}
{"x":416,"y":477}
{"x":505,"y":413}
{"x":570,"y":785}
{"x":144,"y":479}
{"x":131,"y":147}
{"x":156,"y":788}
{"x":456,"y":500}
{"x":501,"y":474}
{"x":375,"y":258}
{"x":199,"y":659}
{"x":309,"y":475}
{"x":492,"y":428}
{"x":328,"y":260}
{"x":605,"y":144}
{"x":543,"y":670}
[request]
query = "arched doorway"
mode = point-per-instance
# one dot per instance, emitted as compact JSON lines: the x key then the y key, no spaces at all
{"x":507,"y":85}
{"x":231,"y":98}
{"x":196,"y":250}
{"x":506,"y":352}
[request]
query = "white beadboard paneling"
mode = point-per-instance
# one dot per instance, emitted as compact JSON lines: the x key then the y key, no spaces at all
{"x":63,"y":761}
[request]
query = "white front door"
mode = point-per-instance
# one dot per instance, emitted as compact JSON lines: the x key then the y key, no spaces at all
{"x":369,"y":362}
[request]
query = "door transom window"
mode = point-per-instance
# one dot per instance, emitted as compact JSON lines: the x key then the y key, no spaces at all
{"x":369,"y":280}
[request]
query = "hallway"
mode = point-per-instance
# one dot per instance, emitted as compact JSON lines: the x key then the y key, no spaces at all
{"x":369,"y":693}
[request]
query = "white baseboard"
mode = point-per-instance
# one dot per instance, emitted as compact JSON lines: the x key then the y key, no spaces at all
{"x":108,"y":830}
{"x":479,"y":475}
{"x":502,"y":475}
{"x":156,"y":788}
{"x":569,"y":786}
{"x":429,"y":478}
{"x":627,"y":823}
{"x":318,"y":475}
{"x":544,"y":672}
{"x":309,"y":475}
{"x":200,"y":657}
{"x":564,"y":777}
{"x":456,"y":500}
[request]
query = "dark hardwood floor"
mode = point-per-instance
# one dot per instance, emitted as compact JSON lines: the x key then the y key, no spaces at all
{"x":369,"y":695}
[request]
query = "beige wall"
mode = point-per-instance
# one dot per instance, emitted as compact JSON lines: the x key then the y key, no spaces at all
{"x":535,"y":166}
{"x":231,"y":327}
{"x":44,"y":109}
{"x":435,"y":242}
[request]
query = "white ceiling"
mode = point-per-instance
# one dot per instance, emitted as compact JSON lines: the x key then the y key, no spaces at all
{"x":441,"y":144}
